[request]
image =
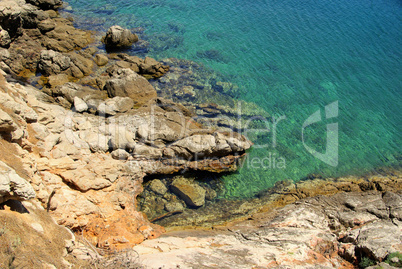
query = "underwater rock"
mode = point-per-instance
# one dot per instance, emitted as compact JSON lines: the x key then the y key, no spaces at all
{"x":192,"y":193}
{"x":212,"y":54}
{"x":174,"y":207}
{"x":158,"y":187}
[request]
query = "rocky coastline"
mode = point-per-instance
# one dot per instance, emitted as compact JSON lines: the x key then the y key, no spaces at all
{"x":86,"y":135}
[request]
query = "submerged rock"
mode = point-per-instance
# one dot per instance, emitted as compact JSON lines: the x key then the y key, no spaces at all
{"x":192,"y":193}
{"x":158,"y":187}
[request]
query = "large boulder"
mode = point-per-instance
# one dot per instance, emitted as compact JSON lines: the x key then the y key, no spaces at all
{"x":118,"y":37}
{"x":12,"y":186}
{"x":127,"y":83}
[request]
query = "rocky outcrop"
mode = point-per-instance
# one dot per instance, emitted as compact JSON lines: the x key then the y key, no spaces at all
{"x":118,"y":37}
{"x":74,"y":65}
{"x":12,"y":186}
{"x":67,"y":160}
{"x":87,"y":140}
{"x":31,"y":30}
{"x":85,"y":191}
{"x":325,"y":231}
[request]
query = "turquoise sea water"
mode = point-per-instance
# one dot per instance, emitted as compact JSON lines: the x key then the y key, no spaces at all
{"x":291,"y":58}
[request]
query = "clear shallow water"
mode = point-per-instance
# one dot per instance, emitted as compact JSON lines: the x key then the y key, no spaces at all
{"x":292,"y":58}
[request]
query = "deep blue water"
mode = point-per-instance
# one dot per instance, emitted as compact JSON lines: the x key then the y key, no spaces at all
{"x":291,"y":58}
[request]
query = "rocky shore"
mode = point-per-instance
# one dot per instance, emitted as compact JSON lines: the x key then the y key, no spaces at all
{"x":82,"y":132}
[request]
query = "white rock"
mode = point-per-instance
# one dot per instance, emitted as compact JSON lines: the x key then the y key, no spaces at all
{"x":97,"y":142}
{"x":121,"y":138}
{"x":12,"y":186}
{"x":120,"y":154}
{"x":80,"y":105}
{"x":37,"y":227}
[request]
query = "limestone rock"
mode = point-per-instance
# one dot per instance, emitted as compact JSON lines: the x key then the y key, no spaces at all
{"x":12,"y":186}
{"x":127,"y":83}
{"x":70,"y":90}
{"x":64,"y":37}
{"x":18,"y":108}
{"x":81,"y":66}
{"x":192,"y":193}
{"x":57,"y":80}
{"x":14,"y":14}
{"x":394,"y":204}
{"x":80,"y":105}
{"x":117,"y":37}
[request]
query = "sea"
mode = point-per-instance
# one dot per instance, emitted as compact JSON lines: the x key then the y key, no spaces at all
{"x":328,"y":73}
